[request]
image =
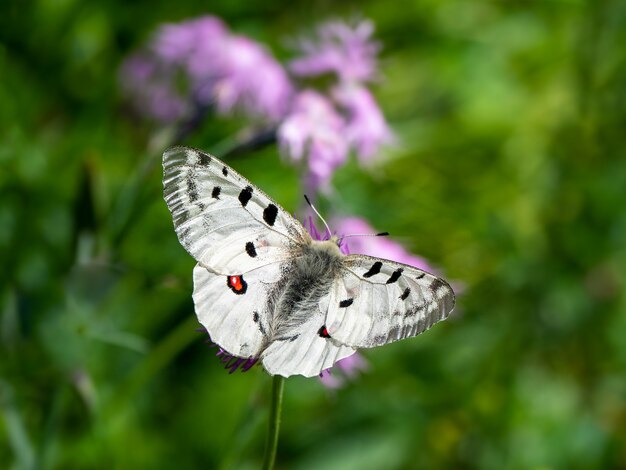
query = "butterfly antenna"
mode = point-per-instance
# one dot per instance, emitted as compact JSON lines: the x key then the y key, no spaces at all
{"x":381,"y":234}
{"x":318,"y":214}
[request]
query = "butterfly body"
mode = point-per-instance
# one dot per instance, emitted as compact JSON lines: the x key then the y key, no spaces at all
{"x":264,"y":288}
{"x":306,"y":280}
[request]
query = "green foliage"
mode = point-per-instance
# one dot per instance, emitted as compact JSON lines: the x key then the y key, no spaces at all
{"x":509,"y":175}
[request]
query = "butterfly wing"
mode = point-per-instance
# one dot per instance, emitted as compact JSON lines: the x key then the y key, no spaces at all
{"x":250,"y":318}
{"x":239,"y":236}
{"x":375,"y":301}
{"x":236,"y":314}
{"x":222,"y":220}
{"x":305,"y":350}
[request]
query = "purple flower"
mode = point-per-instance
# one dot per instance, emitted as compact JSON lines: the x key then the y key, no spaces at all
{"x":227,"y":70}
{"x":179,"y":43}
{"x":316,"y":133}
{"x":345,"y":369}
{"x":366,"y":129}
{"x":339,"y":48}
{"x":249,"y":77}
{"x":381,"y":247}
{"x":230,"y":362}
{"x":220,"y":69}
{"x":313,"y":231}
{"x":325,"y":130}
{"x":150,"y":87}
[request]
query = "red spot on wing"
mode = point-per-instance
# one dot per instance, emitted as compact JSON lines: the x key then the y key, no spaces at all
{"x":237,"y":284}
{"x":323,"y":332}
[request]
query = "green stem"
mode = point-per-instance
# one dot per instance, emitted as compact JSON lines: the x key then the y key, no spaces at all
{"x":278,"y":383}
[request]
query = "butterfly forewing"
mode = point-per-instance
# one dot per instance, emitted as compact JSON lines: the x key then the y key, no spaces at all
{"x":376,"y":301}
{"x":224,"y":221}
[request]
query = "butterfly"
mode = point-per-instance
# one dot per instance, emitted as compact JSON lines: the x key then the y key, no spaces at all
{"x":263,"y":288}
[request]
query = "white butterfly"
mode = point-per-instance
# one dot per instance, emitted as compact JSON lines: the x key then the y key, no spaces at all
{"x":263,"y":288}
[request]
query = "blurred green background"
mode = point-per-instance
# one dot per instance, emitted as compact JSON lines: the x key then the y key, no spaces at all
{"x":509,"y":177}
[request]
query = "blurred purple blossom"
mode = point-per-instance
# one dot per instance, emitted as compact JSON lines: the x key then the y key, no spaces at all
{"x":151,"y":89}
{"x":310,"y":227}
{"x":357,"y":122}
{"x":339,"y":48}
{"x":181,"y":43}
{"x":345,"y":369}
{"x":381,"y":247}
{"x":221,"y":69}
{"x":314,"y":131}
{"x":247,"y":75}
{"x":198,"y":65}
{"x":366,"y":127}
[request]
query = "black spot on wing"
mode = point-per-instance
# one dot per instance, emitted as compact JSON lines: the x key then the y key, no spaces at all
{"x":185,"y":235}
{"x":192,"y":189}
{"x":250,"y":250}
{"x":375,"y":269}
{"x":256,"y":318}
{"x":346,"y":303}
{"x":245,"y":195}
{"x":412,"y":312}
{"x":323,"y":332}
{"x":216,"y":192}
{"x":225,"y":171}
{"x":204,"y":159}
{"x":436,"y":284}
{"x":405,"y":294}
{"x":395,"y":276}
{"x":269,"y":214}
{"x":421,"y":276}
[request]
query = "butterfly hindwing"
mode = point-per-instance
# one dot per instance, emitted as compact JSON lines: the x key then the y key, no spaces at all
{"x":375,"y":301}
{"x":252,"y":315}
{"x":307,"y":350}
{"x":221,"y":219}
{"x":234,"y":309}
